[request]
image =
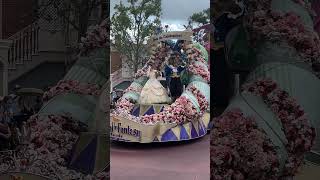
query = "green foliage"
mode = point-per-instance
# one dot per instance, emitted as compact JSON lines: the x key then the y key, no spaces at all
{"x":201,"y":18}
{"x":131,"y":25}
{"x":185,"y":77}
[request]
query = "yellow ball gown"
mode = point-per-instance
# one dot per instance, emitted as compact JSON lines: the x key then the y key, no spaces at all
{"x":153,"y":92}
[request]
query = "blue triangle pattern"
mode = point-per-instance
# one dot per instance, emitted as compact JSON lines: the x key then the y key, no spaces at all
{"x":201,"y":129}
{"x":211,"y":125}
{"x":136,"y":112}
{"x":162,"y":109}
{"x":169,"y":136}
{"x":85,"y":162}
{"x":194,"y":133}
{"x":149,"y":111}
{"x":183,"y":133}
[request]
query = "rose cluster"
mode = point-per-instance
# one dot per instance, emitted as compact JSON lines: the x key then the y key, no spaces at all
{"x":201,"y":59}
{"x":72,"y":86}
{"x":240,"y":150}
{"x":180,"y":111}
{"x":286,"y":26}
{"x":297,"y":129}
{"x":196,"y":69}
{"x":257,"y":5}
{"x":50,"y":142}
{"x":203,"y":103}
{"x":159,"y":55}
{"x":153,"y":118}
{"x":52,"y":138}
{"x":142,"y":72}
{"x":133,"y":89}
{"x":97,"y":38}
{"x":124,"y":105}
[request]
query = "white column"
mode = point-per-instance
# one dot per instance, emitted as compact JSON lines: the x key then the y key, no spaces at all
{"x":4,"y":47}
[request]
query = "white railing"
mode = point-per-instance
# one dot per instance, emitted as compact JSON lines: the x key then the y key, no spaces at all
{"x":25,"y":43}
{"x":116,"y":78}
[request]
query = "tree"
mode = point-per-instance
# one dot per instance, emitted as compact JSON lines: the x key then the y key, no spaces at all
{"x":75,"y":13}
{"x":201,"y":18}
{"x":131,"y":26}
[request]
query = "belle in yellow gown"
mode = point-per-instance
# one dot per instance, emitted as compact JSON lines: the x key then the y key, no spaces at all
{"x":153,"y":92}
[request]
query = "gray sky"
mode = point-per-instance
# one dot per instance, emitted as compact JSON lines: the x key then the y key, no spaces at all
{"x":175,"y":13}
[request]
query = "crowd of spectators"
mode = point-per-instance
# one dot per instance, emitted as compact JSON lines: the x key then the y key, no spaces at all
{"x":15,"y":110}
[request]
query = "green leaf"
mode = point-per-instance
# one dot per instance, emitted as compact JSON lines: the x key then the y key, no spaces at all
{"x":202,"y":17}
{"x":132,"y":25}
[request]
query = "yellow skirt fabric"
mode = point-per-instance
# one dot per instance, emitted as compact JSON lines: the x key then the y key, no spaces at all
{"x":154,"y":93}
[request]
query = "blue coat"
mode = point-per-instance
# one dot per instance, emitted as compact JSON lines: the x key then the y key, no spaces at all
{"x":169,"y":71}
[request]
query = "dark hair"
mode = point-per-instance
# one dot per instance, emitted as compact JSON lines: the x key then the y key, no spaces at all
{"x":176,"y":53}
{"x":171,"y":60}
{"x":6,"y":99}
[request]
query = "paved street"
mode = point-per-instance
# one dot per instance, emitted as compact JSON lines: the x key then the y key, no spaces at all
{"x":174,"y":161}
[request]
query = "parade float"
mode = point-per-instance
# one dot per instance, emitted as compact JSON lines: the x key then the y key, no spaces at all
{"x":269,"y":129}
{"x":67,"y":138}
{"x":137,"y":118}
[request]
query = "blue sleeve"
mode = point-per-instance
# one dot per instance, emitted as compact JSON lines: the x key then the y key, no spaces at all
{"x":167,"y":70}
{"x":180,"y":69}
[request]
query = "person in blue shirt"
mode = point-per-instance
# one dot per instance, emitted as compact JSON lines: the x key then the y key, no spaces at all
{"x":226,"y":15}
{"x":173,"y":71}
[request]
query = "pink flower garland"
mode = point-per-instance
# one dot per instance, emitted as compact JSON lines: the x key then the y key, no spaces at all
{"x":72,"y":86}
{"x":240,"y":150}
{"x":275,"y":26}
{"x":51,"y":140}
{"x":201,"y":59}
{"x":53,"y":131}
{"x":159,"y":54}
{"x":200,"y":97}
{"x":196,"y":51}
{"x":133,"y":89}
{"x":195,"y":69}
{"x":124,"y":105}
{"x":97,"y":38}
{"x":180,"y":111}
{"x":199,"y":70}
{"x":299,"y":133}
{"x":141,"y":72}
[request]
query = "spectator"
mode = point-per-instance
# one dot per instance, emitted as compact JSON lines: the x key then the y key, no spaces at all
{"x":2,"y":110}
{"x":226,"y":15}
{"x":114,"y":95}
{"x":118,"y":95}
{"x":5,"y":110}
{"x":5,"y":134}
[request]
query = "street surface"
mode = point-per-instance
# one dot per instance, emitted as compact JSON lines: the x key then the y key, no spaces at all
{"x":173,"y":161}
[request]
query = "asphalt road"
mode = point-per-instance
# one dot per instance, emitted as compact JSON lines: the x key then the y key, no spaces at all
{"x":168,"y":161}
{"x":308,"y":172}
